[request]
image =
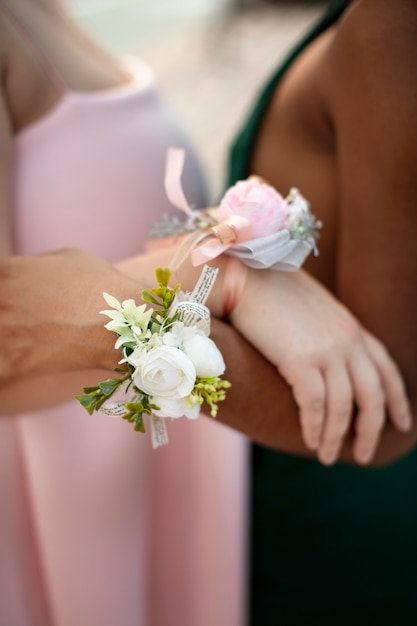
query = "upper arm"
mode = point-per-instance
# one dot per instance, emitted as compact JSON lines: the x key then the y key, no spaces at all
{"x":5,"y":166}
{"x":372,"y":95}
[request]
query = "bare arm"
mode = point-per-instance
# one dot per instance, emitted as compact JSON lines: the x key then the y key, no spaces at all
{"x":66,"y":333}
{"x":85,"y":345}
{"x":5,"y":169}
{"x":372,"y":95}
{"x":366,"y":136}
{"x":371,"y":98}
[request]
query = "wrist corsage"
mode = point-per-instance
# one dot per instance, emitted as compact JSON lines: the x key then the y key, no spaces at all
{"x":253,"y":223}
{"x":170,"y":366}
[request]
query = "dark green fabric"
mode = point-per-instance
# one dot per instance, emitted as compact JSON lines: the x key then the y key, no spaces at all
{"x":242,"y":148}
{"x":330,"y":546}
{"x":333,"y":546}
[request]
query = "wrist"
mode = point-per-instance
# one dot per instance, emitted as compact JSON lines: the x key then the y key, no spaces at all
{"x":234,"y":281}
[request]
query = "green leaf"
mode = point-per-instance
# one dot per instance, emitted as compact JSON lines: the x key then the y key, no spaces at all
{"x":175,"y":290}
{"x":89,"y":390}
{"x":134,"y":407}
{"x":160,"y":292}
{"x":99,"y":403}
{"x":148,"y":297}
{"x":108,"y":387}
{"x":139,"y":423}
{"x":130,"y":417}
{"x":88,"y":402}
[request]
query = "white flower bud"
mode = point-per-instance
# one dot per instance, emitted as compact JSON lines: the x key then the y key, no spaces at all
{"x":205,"y":355}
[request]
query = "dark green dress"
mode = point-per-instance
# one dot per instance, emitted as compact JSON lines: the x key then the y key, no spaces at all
{"x":330,"y":546}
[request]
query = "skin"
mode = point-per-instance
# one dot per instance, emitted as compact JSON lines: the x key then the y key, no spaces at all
{"x":309,"y":139}
{"x":343,"y":126}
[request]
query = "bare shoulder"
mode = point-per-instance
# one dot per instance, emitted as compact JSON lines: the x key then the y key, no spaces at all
{"x":5,"y":175}
{"x":5,"y":137}
{"x":371,"y":93}
{"x":387,"y":27}
{"x":4,"y":42}
{"x":374,"y":52}
{"x":380,"y":17}
{"x":370,"y":90}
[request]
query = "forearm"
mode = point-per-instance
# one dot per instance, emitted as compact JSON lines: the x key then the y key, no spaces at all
{"x":57,"y":327}
{"x":37,"y":392}
{"x":259,"y":403}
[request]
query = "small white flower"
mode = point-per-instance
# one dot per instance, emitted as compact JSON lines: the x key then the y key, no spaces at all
{"x":176,"y":407}
{"x":126,"y":338}
{"x":138,"y":356}
{"x":155,"y":341}
{"x":127,"y":319}
{"x":297,"y":208}
{"x":179,"y":333}
{"x":164,"y":371}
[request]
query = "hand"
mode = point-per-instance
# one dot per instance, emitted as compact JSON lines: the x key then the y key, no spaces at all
{"x":332,"y":364}
{"x":49,"y":320}
{"x":49,"y":308}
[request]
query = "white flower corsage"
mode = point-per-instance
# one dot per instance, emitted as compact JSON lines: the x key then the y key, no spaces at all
{"x":170,"y":366}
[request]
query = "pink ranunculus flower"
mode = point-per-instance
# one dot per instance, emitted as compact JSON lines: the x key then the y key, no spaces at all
{"x":261,"y":204}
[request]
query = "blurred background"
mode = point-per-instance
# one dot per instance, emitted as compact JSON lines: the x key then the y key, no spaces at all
{"x":210,"y":57}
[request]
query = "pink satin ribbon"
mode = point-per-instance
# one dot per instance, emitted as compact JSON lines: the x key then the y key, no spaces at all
{"x":219,"y":238}
{"x":205,"y":244}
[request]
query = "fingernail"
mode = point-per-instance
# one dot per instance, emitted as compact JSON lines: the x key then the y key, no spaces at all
{"x":406,"y":422}
{"x":364,"y":455}
{"x":313,"y":443}
{"x":328,"y":458}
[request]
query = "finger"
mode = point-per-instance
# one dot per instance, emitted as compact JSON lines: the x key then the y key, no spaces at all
{"x":392,"y":383}
{"x":309,"y":393}
{"x":339,"y":406}
{"x":369,"y":398}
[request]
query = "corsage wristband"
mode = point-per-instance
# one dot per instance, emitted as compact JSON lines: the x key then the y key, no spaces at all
{"x":253,"y":225}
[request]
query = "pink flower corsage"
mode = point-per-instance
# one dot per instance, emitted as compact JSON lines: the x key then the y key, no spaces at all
{"x":253,"y":223}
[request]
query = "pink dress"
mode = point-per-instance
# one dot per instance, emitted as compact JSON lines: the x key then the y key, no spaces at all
{"x":96,"y":529}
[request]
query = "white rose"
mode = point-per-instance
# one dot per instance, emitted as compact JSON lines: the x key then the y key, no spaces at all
{"x":205,"y":355}
{"x":176,"y":407}
{"x":166,"y":372}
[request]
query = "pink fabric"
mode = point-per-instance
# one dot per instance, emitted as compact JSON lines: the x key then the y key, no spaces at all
{"x":96,"y":529}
